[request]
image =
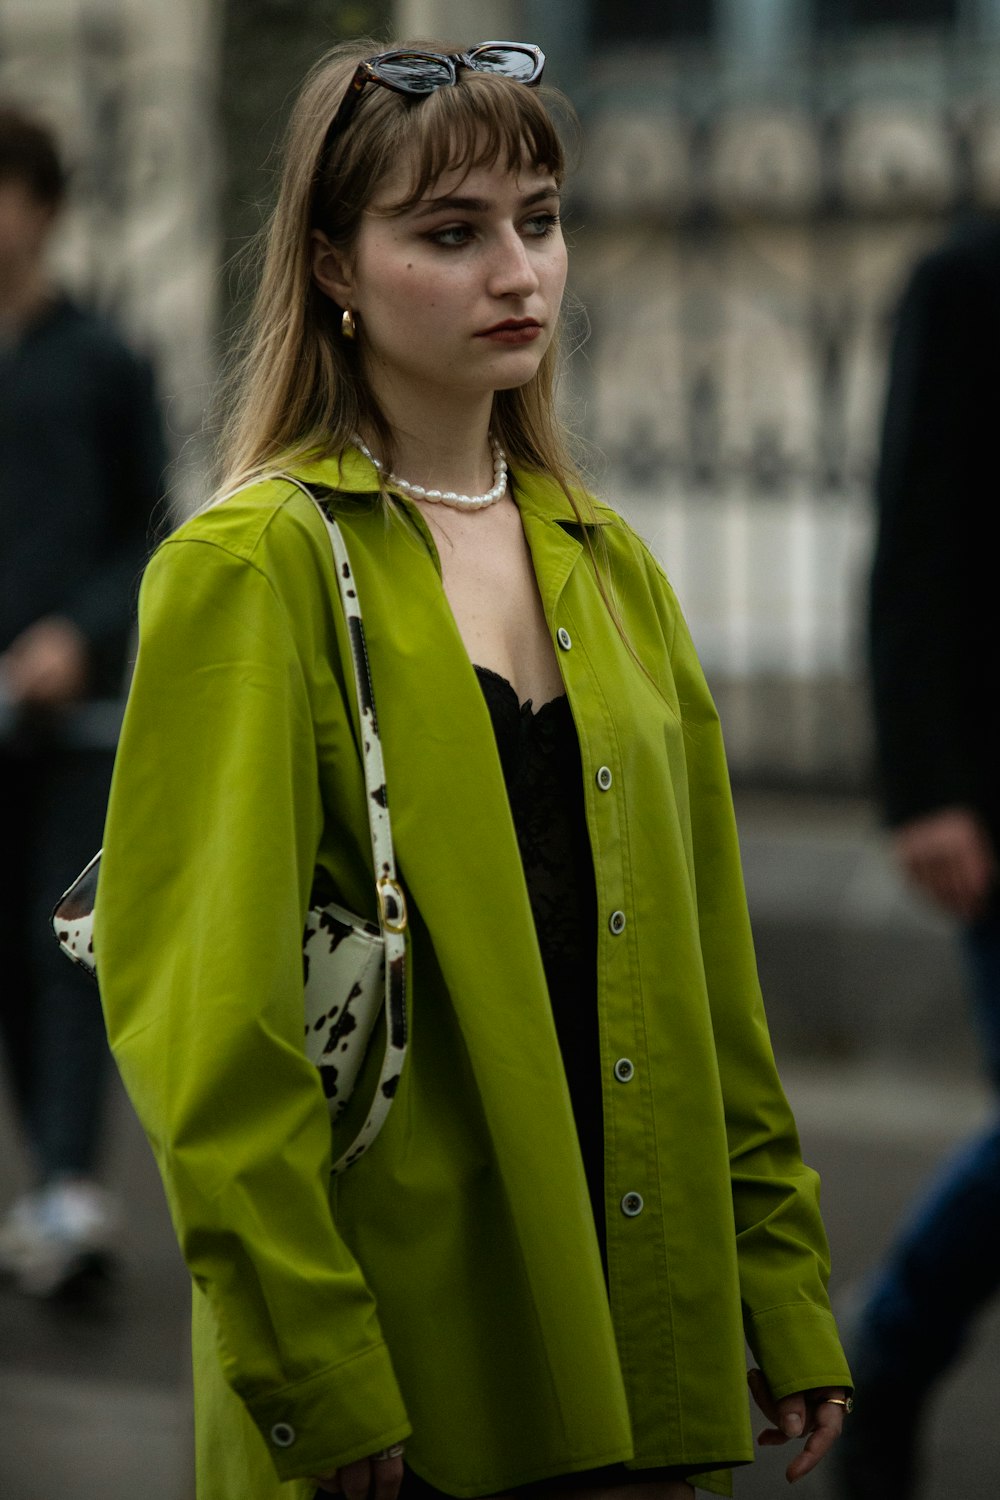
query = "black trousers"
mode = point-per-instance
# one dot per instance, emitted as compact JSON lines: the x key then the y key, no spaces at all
{"x":52,"y":805}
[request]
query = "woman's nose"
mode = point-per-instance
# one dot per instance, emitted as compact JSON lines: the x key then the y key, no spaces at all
{"x":513,"y":273}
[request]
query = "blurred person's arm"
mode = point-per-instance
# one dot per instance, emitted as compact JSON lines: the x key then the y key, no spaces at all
{"x":925,"y":640}
{"x":48,"y":665}
{"x":948,"y":855}
{"x":134,"y":460}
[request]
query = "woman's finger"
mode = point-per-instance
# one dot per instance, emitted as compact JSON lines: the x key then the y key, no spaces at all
{"x":828,"y":1422}
{"x":761,"y":1393}
{"x":791,"y":1419}
{"x":387,"y":1477}
{"x":356,"y":1479}
{"x":377,"y":1478}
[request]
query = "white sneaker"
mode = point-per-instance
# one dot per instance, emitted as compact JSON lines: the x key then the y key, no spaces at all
{"x":58,"y":1234}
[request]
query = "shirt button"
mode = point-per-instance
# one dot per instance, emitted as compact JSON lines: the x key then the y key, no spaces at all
{"x":282,"y":1434}
{"x":616,"y":922}
{"x":624,"y":1070}
{"x":564,"y":638}
{"x":632,"y":1205}
{"x":604,"y":778}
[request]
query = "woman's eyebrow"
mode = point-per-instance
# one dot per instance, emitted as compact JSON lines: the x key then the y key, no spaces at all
{"x":479,"y":205}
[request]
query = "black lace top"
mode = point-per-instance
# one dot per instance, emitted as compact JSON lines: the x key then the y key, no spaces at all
{"x":540,"y":757}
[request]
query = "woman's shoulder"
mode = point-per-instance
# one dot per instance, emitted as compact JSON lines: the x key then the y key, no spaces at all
{"x":259,"y":554}
{"x":270,"y":526}
{"x":273,"y":518}
{"x":636,"y":573}
{"x":632,"y":553}
{"x":240,"y":518}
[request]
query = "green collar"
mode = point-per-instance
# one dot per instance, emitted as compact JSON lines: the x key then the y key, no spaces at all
{"x":537,"y":494}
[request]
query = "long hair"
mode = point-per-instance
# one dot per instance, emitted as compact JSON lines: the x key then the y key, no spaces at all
{"x":297,"y":387}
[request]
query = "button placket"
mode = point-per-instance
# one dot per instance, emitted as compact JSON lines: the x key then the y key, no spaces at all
{"x":631,"y":1204}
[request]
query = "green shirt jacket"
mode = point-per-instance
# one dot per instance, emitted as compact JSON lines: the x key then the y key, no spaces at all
{"x":448,"y":1289}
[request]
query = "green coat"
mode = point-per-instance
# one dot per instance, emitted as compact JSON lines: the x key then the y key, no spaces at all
{"x":448,"y":1289}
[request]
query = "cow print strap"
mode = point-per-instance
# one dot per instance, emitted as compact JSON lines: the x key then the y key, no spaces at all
{"x":389,"y":893}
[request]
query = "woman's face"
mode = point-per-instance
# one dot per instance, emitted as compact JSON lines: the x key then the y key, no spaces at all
{"x":458,"y":295}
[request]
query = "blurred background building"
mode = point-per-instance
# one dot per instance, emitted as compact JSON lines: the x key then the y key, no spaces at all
{"x":756,"y":176}
{"x":759,"y":176}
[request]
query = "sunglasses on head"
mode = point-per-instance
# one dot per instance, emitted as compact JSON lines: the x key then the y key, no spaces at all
{"x":417,"y":74}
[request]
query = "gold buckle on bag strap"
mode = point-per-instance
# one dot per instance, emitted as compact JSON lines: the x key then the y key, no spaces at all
{"x":391,"y":904}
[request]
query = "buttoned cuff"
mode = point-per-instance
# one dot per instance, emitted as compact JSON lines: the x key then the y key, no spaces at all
{"x":798,"y":1348}
{"x":346,"y":1412}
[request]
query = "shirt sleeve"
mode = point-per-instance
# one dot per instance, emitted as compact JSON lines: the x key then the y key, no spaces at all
{"x":214,"y":820}
{"x":781,"y":1242}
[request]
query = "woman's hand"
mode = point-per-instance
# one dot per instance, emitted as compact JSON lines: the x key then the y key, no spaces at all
{"x":810,"y":1414}
{"x":378,"y":1476}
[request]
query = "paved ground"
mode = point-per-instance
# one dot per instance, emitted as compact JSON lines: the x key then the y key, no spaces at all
{"x":94,"y":1402}
{"x":93,"y":1396}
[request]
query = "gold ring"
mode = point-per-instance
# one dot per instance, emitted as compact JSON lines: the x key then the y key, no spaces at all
{"x":396,"y":1451}
{"x":847,"y":1402}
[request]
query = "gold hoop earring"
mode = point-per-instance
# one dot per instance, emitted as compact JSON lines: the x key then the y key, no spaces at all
{"x":348,"y":327}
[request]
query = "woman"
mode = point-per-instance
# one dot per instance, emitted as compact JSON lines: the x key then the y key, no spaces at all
{"x":535,"y":1275}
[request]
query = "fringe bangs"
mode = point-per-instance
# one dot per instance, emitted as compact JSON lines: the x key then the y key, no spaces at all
{"x":482,"y":121}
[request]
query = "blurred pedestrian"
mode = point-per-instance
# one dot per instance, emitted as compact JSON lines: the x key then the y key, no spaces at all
{"x":589,"y":1189}
{"x":935,"y":659}
{"x":81,"y":466}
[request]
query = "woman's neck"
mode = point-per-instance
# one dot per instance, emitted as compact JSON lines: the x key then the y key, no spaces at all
{"x":441,"y":447}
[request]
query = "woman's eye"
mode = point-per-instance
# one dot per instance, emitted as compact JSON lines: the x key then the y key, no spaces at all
{"x":454,"y":234}
{"x":539,"y":225}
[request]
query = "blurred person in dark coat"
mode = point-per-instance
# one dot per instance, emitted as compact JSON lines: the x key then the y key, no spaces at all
{"x":935,"y":663}
{"x":81,"y":466}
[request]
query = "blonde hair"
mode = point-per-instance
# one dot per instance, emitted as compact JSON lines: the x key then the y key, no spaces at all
{"x":298,"y":387}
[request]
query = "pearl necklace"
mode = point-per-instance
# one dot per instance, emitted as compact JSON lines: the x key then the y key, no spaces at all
{"x":446,"y":497}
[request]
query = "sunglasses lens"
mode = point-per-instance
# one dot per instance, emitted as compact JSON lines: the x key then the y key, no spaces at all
{"x":415,"y":72}
{"x":512,"y":62}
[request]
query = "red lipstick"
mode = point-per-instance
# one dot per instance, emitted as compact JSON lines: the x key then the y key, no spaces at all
{"x":512,"y":331}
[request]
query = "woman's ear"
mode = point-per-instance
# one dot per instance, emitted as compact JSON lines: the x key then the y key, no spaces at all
{"x":330,"y":270}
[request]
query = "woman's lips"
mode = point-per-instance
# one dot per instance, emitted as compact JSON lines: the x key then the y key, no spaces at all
{"x":512,"y":333}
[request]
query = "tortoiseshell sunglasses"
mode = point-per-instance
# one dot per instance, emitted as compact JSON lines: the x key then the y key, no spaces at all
{"x":420,"y":73}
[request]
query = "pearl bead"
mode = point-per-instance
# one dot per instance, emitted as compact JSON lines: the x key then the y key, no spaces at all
{"x":447,"y":497}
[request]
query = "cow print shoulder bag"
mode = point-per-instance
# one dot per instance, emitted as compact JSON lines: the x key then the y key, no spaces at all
{"x":354,"y":969}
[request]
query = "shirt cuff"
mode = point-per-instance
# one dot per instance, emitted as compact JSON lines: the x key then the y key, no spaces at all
{"x":798,"y":1348}
{"x":345,"y":1412}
